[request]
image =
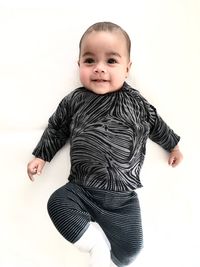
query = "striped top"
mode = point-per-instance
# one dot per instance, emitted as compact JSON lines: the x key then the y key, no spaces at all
{"x":107,"y":134}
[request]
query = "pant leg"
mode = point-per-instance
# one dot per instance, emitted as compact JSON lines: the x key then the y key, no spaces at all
{"x":126,"y":238}
{"x":68,"y":213}
{"x":120,"y":219}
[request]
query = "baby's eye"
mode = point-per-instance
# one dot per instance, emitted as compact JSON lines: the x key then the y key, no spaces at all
{"x":112,"y":61}
{"x":89,"y":60}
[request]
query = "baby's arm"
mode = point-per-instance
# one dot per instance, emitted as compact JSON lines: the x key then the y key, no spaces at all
{"x":175,"y":156}
{"x":162,"y":134}
{"x":35,"y":166}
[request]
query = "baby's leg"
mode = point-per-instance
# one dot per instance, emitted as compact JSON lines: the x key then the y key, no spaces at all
{"x":123,"y":229}
{"x":72,"y":220}
{"x":68,"y":213}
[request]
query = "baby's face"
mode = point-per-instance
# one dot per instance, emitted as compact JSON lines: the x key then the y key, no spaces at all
{"x":104,"y":62}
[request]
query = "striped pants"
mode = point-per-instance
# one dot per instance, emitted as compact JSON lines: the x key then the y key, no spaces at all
{"x":73,"y":207}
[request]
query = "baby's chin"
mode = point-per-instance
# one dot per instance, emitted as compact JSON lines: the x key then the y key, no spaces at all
{"x":101,"y":89}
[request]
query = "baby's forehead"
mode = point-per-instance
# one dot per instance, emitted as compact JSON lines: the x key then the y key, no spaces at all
{"x":109,"y":38}
{"x":114,"y":32}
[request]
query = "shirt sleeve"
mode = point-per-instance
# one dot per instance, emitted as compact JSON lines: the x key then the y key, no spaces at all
{"x":160,"y":132}
{"x":56,"y":133}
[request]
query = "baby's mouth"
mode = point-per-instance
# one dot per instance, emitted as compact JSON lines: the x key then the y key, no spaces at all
{"x":99,"y":80}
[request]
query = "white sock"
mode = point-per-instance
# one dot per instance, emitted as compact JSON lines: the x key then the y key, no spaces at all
{"x":93,"y":242}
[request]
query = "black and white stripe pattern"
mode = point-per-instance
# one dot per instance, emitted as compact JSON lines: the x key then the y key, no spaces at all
{"x":72,"y":207}
{"x":108,"y":135}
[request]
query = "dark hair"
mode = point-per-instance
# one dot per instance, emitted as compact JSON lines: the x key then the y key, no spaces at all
{"x":107,"y":26}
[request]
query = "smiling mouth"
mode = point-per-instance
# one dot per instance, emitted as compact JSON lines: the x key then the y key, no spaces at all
{"x":99,"y":80}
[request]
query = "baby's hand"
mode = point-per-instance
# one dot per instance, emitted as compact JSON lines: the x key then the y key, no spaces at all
{"x":35,"y":166}
{"x":175,"y":157}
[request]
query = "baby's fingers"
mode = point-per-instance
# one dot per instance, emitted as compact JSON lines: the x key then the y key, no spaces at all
{"x":175,"y":158}
{"x":39,"y":169}
{"x":31,"y":173}
{"x":35,"y":167}
{"x":31,"y":170}
{"x":174,"y":161}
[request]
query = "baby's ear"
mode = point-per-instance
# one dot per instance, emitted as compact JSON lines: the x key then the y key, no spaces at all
{"x":129,"y":67}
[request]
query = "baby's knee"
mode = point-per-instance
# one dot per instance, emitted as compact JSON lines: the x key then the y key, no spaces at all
{"x":51,"y":204}
{"x":56,"y":202}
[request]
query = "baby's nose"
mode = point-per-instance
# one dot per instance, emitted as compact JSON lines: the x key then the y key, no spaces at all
{"x":99,"y":68}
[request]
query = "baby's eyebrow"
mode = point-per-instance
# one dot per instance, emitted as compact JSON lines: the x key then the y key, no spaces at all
{"x":86,"y":54}
{"x":108,"y":54}
{"x":113,"y":54}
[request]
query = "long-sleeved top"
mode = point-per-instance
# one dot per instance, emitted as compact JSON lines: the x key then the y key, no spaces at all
{"x":108,"y":135}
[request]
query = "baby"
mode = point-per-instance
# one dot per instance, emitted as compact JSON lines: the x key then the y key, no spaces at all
{"x":108,"y":124}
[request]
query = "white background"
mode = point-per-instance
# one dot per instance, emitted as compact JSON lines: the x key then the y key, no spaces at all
{"x":38,"y":66}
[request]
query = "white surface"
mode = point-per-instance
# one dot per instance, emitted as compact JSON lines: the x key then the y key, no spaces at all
{"x":38,"y":55}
